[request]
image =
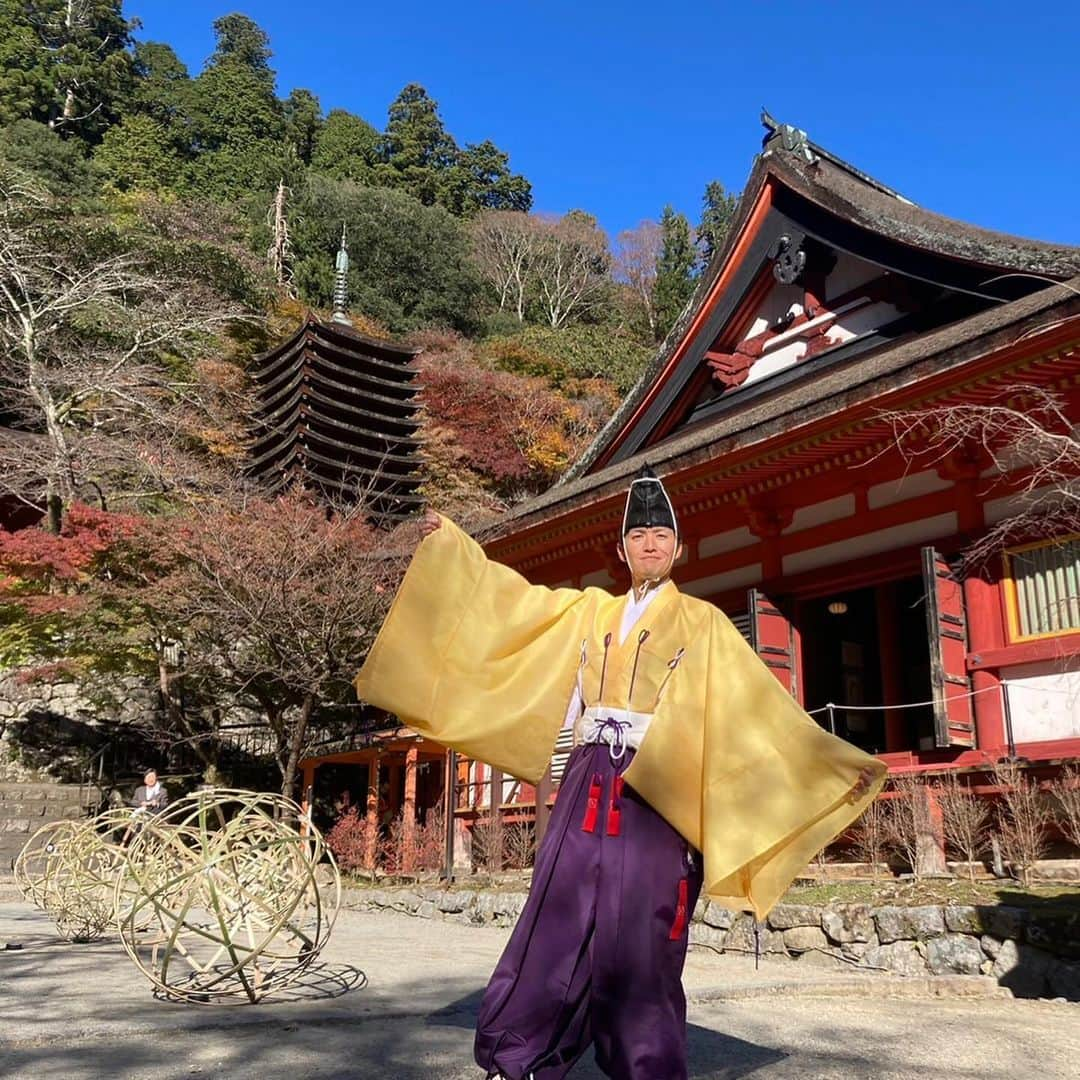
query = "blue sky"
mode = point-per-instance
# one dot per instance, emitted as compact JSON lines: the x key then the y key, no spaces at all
{"x":970,"y":109}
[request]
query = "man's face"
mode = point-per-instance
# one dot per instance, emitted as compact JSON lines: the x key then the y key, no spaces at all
{"x":150,"y":779}
{"x":649,"y":552}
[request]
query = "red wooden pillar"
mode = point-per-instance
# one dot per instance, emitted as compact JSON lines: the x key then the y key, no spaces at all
{"x":372,"y":815}
{"x":889,"y":647}
{"x":408,"y":811}
{"x":985,"y":632}
{"x":393,"y":797}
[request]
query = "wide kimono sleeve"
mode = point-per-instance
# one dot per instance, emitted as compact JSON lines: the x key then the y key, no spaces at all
{"x":746,"y":775}
{"x":475,"y":657}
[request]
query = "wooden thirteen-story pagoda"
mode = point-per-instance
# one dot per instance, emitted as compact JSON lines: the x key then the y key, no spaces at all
{"x":337,"y":414}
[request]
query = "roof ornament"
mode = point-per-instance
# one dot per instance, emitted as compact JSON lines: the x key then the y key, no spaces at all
{"x":341,"y":283}
{"x":789,"y":258}
{"x":792,"y":139}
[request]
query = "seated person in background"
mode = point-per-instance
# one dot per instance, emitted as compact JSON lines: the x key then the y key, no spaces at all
{"x":150,"y":796}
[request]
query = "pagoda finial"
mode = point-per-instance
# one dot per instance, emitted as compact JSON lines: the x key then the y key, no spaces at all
{"x":341,"y":282}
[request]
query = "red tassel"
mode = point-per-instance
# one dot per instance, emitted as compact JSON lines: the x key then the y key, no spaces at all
{"x":592,"y":808}
{"x":614,"y":815}
{"x":679,"y":925}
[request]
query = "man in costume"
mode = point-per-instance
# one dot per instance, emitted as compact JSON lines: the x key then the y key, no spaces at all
{"x":693,"y":769}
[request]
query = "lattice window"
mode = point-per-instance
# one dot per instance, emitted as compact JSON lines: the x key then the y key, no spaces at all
{"x":1044,"y":588}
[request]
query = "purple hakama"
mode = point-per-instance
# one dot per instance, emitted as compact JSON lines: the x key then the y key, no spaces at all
{"x":598,"y":952}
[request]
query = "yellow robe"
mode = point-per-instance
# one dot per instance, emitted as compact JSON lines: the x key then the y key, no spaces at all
{"x":479,"y":660}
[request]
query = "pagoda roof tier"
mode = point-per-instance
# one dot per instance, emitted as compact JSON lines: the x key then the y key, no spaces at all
{"x":393,"y":389}
{"x":398,"y":465}
{"x":327,"y":468}
{"x":271,"y":398}
{"x":337,"y":411}
{"x":350,"y":343}
{"x":402,"y":450}
{"x":369,"y":420}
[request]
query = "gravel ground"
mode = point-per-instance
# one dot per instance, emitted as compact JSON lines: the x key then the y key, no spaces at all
{"x":395,"y":997}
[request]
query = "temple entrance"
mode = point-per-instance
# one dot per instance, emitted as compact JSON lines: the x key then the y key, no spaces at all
{"x":863,"y":649}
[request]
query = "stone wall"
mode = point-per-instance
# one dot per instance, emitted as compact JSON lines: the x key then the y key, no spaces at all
{"x":26,"y":807}
{"x":1032,"y":953}
{"x":48,"y":730}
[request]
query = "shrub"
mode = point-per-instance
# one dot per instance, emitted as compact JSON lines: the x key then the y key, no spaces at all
{"x":350,"y":840}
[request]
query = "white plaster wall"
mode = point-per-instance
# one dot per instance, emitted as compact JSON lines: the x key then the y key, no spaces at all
{"x":1044,"y":700}
{"x":871,"y":543}
{"x":781,"y":300}
{"x":806,"y":517}
{"x":731,"y":540}
{"x":1009,"y":505}
{"x":849,"y":272}
{"x":732,"y":579}
{"x":906,"y":487}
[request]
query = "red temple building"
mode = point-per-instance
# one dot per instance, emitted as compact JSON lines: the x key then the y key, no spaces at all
{"x":835,"y":305}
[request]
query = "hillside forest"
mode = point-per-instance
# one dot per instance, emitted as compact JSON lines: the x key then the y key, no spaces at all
{"x":158,"y":230}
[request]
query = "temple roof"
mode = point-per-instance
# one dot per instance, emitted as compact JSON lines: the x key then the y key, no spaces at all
{"x":798,"y":190}
{"x":945,"y":294}
{"x":338,"y":413}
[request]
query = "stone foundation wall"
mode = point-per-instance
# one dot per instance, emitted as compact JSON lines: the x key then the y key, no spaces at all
{"x":1031,"y":953}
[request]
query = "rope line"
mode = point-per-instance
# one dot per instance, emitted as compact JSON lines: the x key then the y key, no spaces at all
{"x":1005,"y":683}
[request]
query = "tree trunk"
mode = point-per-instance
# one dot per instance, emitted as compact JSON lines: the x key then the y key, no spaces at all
{"x":296,"y":743}
{"x":207,"y":750}
{"x":59,"y":485}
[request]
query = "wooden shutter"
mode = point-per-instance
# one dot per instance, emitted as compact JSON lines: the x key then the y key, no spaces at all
{"x":564,"y":744}
{"x":772,"y":637}
{"x":946,"y":625}
{"x":741,"y":622}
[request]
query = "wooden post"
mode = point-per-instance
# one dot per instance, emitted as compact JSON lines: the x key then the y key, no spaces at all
{"x":408,"y":812}
{"x":393,"y":797}
{"x":495,"y":806}
{"x":986,"y":631}
{"x":309,"y":796}
{"x":543,"y":811}
{"x":889,"y":661}
{"x":450,"y":801}
{"x":930,"y":840}
{"x":372,"y":817}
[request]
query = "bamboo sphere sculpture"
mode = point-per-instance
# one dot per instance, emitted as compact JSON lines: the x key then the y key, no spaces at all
{"x":79,"y":892}
{"x":108,"y":836}
{"x":69,"y":870}
{"x":39,"y":859}
{"x":236,"y":900}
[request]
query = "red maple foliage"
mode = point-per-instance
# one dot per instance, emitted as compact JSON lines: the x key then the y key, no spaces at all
{"x":42,"y":572}
{"x":514,"y":431}
{"x":479,"y":408}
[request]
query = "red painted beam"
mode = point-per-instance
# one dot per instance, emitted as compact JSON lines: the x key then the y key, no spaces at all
{"x":1063,"y":647}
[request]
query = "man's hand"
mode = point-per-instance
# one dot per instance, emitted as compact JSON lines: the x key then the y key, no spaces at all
{"x":866,"y":778}
{"x":429,"y":523}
